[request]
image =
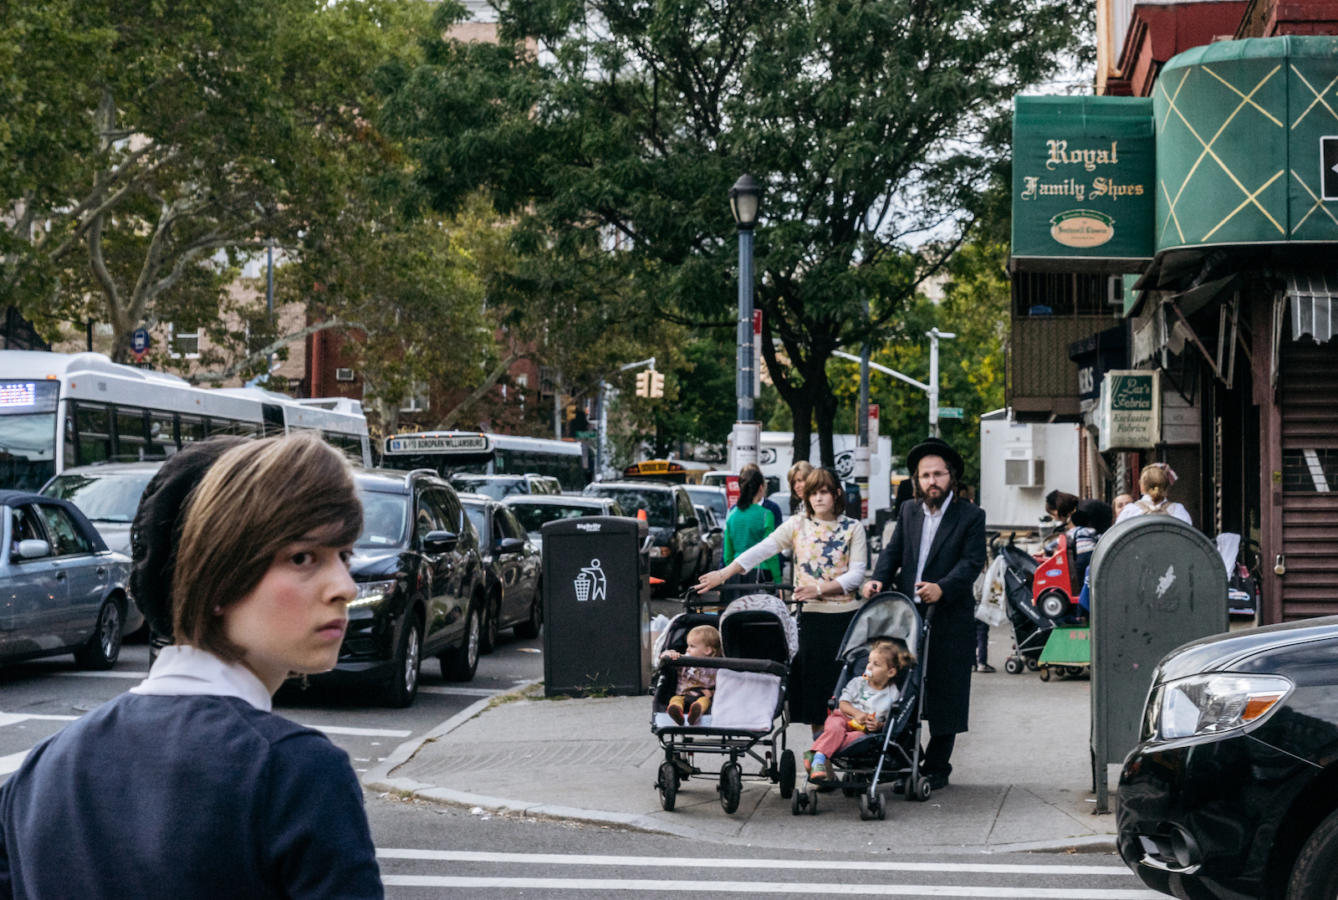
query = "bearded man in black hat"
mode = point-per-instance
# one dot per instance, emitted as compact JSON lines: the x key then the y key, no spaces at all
{"x":936,"y":552}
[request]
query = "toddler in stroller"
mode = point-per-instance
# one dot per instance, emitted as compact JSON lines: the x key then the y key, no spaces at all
{"x":759,"y":638}
{"x":864,"y":705}
{"x":696,"y":685}
{"x":887,"y":626}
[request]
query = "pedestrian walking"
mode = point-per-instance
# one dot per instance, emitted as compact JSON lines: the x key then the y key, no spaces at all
{"x":189,"y":785}
{"x":748,"y":469}
{"x":797,"y":476}
{"x":749,"y":522}
{"x":934,"y":557}
{"x":830,"y":558}
{"x":1155,"y":482}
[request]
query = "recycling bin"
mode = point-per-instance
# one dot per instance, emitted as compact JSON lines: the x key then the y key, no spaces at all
{"x":1157,"y":583}
{"x":596,"y":596}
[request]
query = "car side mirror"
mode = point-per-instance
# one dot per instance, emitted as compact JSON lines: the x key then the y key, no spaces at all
{"x":32,"y":549}
{"x":510,"y":545}
{"x":440,"y":541}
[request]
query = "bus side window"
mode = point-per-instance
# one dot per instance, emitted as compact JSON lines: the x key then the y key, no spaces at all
{"x":162,"y":435}
{"x":92,"y":426}
{"x":192,"y":429}
{"x":131,"y":440}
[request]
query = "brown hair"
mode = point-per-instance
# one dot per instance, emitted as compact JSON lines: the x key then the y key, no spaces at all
{"x":895,"y":651}
{"x":257,"y":498}
{"x":825,"y":478}
{"x":798,"y":472}
{"x":710,"y":635}
{"x":1154,"y":475}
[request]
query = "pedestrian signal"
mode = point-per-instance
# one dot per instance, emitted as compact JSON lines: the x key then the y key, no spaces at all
{"x":643,"y":384}
{"x":657,"y":384}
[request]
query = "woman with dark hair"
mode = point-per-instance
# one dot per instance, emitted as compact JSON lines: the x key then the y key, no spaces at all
{"x":749,"y":522}
{"x":830,"y":556}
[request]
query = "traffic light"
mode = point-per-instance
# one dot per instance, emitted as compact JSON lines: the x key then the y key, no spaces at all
{"x":643,"y":384}
{"x":657,"y":384}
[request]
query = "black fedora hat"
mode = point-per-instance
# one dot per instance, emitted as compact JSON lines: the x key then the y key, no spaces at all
{"x":934,"y":447}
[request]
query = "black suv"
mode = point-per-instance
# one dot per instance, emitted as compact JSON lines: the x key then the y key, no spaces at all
{"x":1233,"y":788}
{"x":513,"y":565}
{"x":421,"y":585}
{"x":676,"y":540}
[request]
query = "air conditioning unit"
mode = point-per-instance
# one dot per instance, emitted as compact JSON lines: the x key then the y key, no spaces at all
{"x":342,"y":374}
{"x":1029,"y":472}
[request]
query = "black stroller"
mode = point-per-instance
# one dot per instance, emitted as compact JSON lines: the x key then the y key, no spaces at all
{"x":747,"y":719}
{"x":1031,"y":628}
{"x":892,"y":755}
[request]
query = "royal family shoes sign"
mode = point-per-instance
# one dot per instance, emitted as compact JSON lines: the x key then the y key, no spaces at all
{"x":1083,"y":170}
{"x":1130,"y":406}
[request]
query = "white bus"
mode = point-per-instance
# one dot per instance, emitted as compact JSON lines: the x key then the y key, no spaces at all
{"x":480,"y":453}
{"x":70,"y":409}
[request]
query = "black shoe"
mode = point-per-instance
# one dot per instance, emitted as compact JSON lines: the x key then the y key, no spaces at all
{"x":937,"y":780}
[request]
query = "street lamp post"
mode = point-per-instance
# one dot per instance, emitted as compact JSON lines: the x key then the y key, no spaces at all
{"x":744,"y":199}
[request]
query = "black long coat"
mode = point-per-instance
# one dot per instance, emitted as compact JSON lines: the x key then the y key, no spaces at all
{"x":955,"y":559}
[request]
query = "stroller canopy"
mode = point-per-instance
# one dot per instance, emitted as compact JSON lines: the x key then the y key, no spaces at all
{"x":886,"y":615}
{"x":759,"y":626}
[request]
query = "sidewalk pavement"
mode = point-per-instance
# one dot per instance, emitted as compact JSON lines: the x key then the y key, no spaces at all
{"x":1021,"y":778}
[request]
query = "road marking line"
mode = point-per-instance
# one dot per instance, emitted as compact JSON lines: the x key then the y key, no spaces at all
{"x":15,"y":718}
{"x":10,"y":764}
{"x":756,"y":888}
{"x":461,"y":691}
{"x":574,"y":859}
{"x":358,"y":732}
{"x":137,"y":676}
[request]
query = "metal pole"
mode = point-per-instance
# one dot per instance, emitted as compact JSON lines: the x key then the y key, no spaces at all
{"x":745,"y":373}
{"x":862,"y":418}
{"x":269,"y":299}
{"x":934,"y":336}
{"x":601,"y":426}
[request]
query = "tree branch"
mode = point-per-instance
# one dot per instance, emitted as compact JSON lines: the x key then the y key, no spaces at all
{"x":270,"y":348}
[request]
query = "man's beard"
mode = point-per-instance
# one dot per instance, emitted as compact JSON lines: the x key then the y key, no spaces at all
{"x":934,"y":501}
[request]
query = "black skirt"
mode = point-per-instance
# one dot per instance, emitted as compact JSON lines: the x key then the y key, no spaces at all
{"x":816,"y":669}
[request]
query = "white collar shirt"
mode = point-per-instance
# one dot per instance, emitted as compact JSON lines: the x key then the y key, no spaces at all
{"x":927,"y":531}
{"x":181,"y":670}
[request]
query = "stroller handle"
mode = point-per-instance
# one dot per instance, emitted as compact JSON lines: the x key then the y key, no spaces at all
{"x":693,"y":601}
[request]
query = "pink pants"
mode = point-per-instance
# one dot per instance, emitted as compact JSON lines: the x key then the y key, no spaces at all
{"x":836,"y":734}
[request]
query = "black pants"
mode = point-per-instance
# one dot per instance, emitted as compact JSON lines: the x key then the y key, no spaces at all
{"x":937,"y":753}
{"x":982,"y":642}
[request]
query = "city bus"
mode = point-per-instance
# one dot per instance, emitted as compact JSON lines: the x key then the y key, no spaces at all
{"x":59,"y":410}
{"x":482,"y":453}
{"x":676,"y":471}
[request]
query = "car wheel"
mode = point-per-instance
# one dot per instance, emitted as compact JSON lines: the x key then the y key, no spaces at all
{"x":530,"y":627}
{"x":488,"y":638}
{"x":408,"y":662}
{"x":1315,"y":873}
{"x":104,"y":646}
{"x":460,"y":663}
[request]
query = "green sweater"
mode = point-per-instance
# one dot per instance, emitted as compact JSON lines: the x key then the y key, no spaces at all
{"x":746,"y":527}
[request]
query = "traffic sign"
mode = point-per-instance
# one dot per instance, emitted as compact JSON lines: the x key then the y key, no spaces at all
{"x":140,"y":340}
{"x":949,"y":412}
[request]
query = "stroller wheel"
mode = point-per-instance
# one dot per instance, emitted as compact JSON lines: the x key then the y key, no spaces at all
{"x":787,"y":774}
{"x":798,"y":802}
{"x":919,"y":789}
{"x":1013,"y":665}
{"x":1045,"y":673}
{"x":1032,"y":664}
{"x":731,"y":786}
{"x":668,"y":785}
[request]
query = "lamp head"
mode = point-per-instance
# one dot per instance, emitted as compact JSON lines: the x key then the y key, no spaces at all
{"x":744,"y":200}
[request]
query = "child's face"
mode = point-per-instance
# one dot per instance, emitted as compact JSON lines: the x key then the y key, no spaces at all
{"x":879,"y":671}
{"x":697,"y":646}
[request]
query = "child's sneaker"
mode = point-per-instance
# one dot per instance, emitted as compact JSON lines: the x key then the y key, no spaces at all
{"x":808,"y":760}
{"x":695,"y":712}
{"x":675,"y":711}
{"x":818,"y":772}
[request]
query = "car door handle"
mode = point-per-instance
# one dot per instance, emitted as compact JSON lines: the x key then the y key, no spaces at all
{"x":60,"y":576}
{"x":102,"y":570}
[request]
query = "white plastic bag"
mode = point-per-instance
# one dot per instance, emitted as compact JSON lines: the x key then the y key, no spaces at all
{"x":990,"y":607}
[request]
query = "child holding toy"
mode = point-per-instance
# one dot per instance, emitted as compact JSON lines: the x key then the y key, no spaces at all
{"x":864,"y":707}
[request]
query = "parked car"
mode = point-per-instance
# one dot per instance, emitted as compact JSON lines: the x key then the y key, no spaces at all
{"x":513,"y":567}
{"x":676,"y":540}
{"x":499,"y":486}
{"x":713,"y":534}
{"x":421,"y":586}
{"x":63,"y":590}
{"x":533,"y":510}
{"x":709,"y":495}
{"x":1230,"y":792}
{"x":108,"y":493}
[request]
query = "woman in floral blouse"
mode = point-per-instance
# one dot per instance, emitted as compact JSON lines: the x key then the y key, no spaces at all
{"x":830,"y":558}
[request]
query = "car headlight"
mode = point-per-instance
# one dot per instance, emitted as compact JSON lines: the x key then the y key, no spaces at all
{"x":371,"y":593}
{"x":1213,"y":703}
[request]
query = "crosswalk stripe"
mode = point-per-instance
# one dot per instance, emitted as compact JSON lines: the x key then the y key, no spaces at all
{"x":111,"y":673}
{"x":15,"y":718}
{"x":756,"y":888}
{"x":10,"y":764}
{"x":461,"y":691}
{"x":679,"y":862}
{"x":359,"y":732}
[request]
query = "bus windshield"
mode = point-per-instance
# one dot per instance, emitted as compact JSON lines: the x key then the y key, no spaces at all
{"x":27,"y":434}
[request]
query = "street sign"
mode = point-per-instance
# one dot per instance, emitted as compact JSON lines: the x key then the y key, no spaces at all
{"x":139,"y":343}
{"x":949,"y":412}
{"x":586,"y":435}
{"x":1328,"y":167}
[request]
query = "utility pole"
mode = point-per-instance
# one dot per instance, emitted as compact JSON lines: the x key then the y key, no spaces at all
{"x":934,"y":336}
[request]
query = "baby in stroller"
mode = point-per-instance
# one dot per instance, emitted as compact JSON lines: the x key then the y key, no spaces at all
{"x":696,"y":684}
{"x":864,"y":706}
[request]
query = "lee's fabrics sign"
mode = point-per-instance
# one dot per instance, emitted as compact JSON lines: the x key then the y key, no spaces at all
{"x":1083,"y":170}
{"x":1130,"y":409}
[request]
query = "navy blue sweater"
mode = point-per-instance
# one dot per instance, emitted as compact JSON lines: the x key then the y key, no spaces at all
{"x":185,"y":796}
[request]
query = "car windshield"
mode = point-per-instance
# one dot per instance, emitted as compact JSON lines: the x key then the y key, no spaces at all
{"x":712,"y":497}
{"x":475,"y":513}
{"x":102,"y":497}
{"x":496,"y":488}
{"x":383,"y":520}
{"x":659,"y":505}
{"x":533,"y":515}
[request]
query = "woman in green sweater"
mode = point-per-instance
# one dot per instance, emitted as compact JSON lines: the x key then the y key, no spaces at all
{"x":749,"y":523}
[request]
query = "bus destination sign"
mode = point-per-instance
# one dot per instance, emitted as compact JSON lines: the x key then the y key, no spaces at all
{"x":428,"y":443}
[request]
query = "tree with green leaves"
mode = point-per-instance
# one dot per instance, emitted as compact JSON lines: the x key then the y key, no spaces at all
{"x":873,"y":125}
{"x":158,"y":145}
